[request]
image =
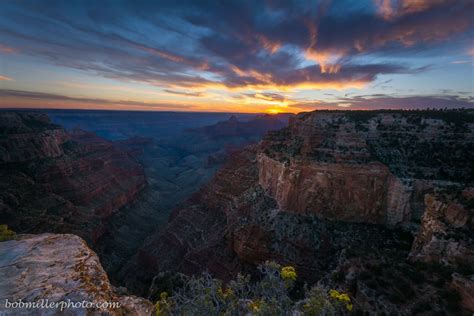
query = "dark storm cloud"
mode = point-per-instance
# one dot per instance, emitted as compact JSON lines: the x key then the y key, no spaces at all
{"x":318,"y":27}
{"x":234,"y":43}
{"x":311,"y":75}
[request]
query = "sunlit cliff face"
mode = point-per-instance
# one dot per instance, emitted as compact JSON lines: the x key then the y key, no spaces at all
{"x":237,"y":56}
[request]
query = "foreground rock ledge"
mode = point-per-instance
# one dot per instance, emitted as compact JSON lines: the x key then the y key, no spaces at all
{"x":58,"y":268}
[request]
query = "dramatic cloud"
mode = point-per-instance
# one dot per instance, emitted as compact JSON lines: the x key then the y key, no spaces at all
{"x":188,"y":48}
{"x":391,"y":9}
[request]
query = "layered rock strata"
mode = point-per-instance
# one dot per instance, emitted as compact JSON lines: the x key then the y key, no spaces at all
{"x":364,"y":167}
{"x":52,"y":180}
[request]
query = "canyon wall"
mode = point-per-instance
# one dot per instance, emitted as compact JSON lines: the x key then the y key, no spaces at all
{"x":29,"y":136}
{"x":363,"y":169}
{"x":357,"y":193}
{"x":52,"y":180}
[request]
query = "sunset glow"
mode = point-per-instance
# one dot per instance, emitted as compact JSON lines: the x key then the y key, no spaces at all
{"x":243,"y":56}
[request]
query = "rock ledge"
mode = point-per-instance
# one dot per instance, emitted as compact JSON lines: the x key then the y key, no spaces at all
{"x":58,"y":268}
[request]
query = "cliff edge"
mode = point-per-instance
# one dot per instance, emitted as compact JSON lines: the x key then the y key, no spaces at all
{"x":59,"y":268}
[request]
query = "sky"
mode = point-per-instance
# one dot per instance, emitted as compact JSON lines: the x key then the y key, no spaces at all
{"x":237,"y":56}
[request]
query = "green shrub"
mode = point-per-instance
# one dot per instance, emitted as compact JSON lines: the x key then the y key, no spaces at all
{"x":317,"y":303}
{"x":205,"y":295}
{"x":5,"y":233}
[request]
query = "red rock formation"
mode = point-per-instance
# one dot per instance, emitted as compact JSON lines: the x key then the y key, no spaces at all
{"x":55,"y":181}
{"x":357,"y":193}
{"x":334,"y":166}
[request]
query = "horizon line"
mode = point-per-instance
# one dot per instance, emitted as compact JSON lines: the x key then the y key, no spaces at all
{"x":245,"y":113}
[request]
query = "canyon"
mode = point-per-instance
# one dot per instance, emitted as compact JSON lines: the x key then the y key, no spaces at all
{"x":334,"y":194}
{"x":378,"y":203}
{"x":114,"y":190}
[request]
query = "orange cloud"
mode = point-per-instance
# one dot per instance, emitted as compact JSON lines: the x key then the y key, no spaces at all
{"x":3,"y":78}
{"x":384,"y":8}
{"x":271,"y":86}
{"x":262,"y":77}
{"x":392,"y":9}
{"x":326,"y":61}
{"x":270,"y":46}
{"x":6,"y":49}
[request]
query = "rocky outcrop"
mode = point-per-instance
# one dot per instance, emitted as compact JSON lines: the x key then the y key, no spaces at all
{"x":445,"y":235}
{"x":59,"y":268}
{"x":52,"y":180}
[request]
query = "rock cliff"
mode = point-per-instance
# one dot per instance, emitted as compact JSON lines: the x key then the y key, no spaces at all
{"x":59,"y":268}
{"x":52,"y":180}
{"x":364,"y":167}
